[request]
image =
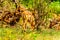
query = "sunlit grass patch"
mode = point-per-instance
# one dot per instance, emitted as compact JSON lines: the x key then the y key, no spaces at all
{"x":44,"y":35}
{"x":10,"y":34}
{"x":17,"y":34}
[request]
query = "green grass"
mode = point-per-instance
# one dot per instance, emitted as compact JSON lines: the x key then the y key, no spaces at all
{"x":55,"y":7}
{"x":18,"y":34}
{"x":44,"y":35}
{"x":10,"y":34}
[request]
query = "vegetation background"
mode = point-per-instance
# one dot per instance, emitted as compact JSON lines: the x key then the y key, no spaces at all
{"x":46,"y":15}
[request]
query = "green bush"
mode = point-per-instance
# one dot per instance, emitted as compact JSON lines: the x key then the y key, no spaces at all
{"x":55,"y":7}
{"x":9,"y":5}
{"x":27,"y":3}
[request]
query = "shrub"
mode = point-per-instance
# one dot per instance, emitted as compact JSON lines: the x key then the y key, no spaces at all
{"x":55,"y":7}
